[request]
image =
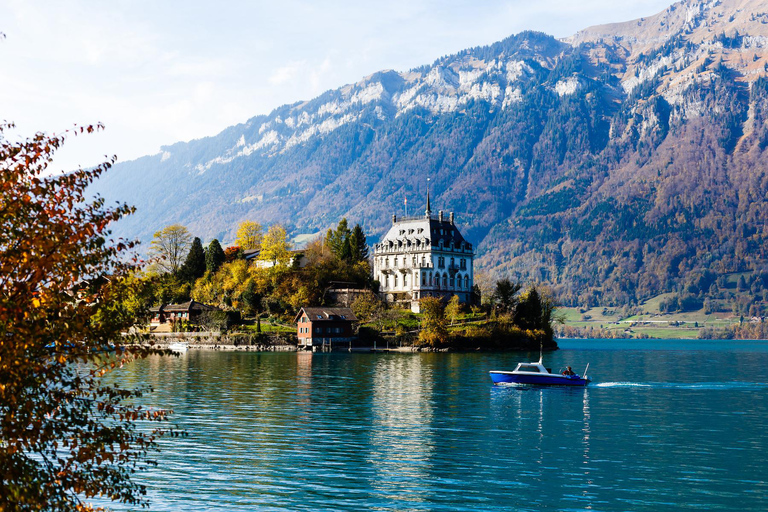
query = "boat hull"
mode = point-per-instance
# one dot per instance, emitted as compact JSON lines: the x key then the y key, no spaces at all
{"x":522,"y":379}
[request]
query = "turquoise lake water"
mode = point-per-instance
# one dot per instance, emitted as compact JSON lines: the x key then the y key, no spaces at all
{"x":666,"y":425}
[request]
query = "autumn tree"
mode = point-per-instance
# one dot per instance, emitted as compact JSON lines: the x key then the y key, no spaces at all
{"x":214,"y":256}
{"x":275,"y":246}
{"x":232,"y":253}
{"x":66,"y":436}
{"x":433,"y":329}
{"x":170,"y":246}
{"x":249,"y":235}
{"x":368,"y":307}
{"x":453,"y":309}
{"x":194,"y":264}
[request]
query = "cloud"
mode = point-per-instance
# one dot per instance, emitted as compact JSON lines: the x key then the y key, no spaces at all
{"x":286,"y":74}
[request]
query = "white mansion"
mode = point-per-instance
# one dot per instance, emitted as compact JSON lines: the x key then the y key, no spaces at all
{"x":423,"y":256}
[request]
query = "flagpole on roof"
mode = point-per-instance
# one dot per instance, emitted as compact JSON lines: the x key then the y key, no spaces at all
{"x":429,"y":208}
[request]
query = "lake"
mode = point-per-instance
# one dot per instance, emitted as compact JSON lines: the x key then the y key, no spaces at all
{"x":665,"y":425}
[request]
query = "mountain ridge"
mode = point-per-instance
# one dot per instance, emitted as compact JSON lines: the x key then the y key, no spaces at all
{"x":551,"y":152}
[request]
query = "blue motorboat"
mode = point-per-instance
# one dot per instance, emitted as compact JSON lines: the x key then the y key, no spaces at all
{"x":535,"y":374}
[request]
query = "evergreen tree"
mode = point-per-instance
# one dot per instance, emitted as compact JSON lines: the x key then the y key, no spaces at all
{"x":505,"y":295}
{"x":214,"y":256}
{"x":536,"y":311}
{"x":358,"y":246}
{"x":338,"y":240}
{"x":194,"y":266}
{"x":252,"y":299}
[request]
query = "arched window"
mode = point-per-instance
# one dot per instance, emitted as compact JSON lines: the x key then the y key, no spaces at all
{"x":458,"y":281}
{"x":445,"y":280}
{"x":466,"y":282}
{"x":395,"y":279}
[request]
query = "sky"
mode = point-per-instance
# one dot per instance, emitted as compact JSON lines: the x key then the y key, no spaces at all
{"x":158,"y":72}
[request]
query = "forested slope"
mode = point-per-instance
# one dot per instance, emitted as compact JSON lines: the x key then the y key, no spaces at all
{"x":622,"y":163}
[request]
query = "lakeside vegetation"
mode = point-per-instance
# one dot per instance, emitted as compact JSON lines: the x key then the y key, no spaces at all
{"x":263,"y":294}
{"x":67,"y":435}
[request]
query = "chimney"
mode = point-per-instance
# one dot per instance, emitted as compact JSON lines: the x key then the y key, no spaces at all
{"x":451,"y":218}
{"x":440,"y":215}
{"x":394,"y":219}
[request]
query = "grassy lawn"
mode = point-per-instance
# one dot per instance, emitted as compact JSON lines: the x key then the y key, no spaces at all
{"x":651,"y":322}
{"x":266,"y":327}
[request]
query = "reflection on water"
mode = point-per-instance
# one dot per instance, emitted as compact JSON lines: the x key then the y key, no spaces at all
{"x":429,"y":432}
{"x":401,"y":428}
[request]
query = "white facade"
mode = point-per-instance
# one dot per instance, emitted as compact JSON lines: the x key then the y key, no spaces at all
{"x":423,"y":256}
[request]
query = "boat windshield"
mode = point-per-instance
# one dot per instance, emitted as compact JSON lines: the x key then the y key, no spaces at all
{"x":529,"y":368}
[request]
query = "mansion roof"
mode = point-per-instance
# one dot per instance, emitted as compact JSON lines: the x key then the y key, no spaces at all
{"x":422,"y":233}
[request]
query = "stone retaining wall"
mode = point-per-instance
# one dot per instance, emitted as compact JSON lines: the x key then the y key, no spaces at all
{"x":265,"y":342}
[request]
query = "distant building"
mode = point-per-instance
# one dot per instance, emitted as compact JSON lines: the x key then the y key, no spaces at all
{"x":325,"y":326}
{"x":188,"y":311}
{"x":343,"y":293}
{"x":423,"y":256}
{"x":252,"y":256}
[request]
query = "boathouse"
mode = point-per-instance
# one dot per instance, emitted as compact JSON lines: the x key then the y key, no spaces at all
{"x":325,"y":327}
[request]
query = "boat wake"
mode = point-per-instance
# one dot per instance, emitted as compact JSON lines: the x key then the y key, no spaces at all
{"x":681,"y":385}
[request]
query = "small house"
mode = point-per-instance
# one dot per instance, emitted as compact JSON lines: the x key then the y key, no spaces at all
{"x":325,"y":326}
{"x":187,"y":311}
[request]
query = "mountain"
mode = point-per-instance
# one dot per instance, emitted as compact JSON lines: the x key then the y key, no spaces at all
{"x":617,"y":164}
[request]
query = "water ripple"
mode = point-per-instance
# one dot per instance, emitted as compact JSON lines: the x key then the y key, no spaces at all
{"x":337,"y":432}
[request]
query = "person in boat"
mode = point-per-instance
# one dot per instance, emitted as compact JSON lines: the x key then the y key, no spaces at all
{"x":568,"y":372}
